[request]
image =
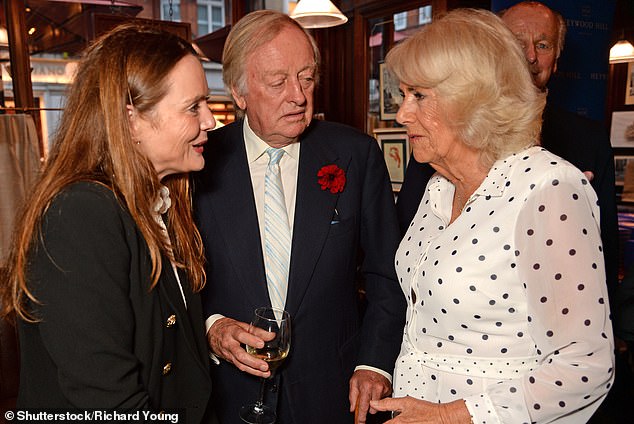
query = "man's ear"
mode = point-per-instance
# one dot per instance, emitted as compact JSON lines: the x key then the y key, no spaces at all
{"x":241,"y":101}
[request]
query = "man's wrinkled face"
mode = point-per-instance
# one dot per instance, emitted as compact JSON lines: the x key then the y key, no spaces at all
{"x":280,"y":80}
{"x":537,"y":30}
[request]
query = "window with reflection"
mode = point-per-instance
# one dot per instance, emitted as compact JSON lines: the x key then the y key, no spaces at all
{"x":205,"y":16}
{"x":385,"y":32}
{"x":171,"y":10}
{"x":58,"y":30}
{"x":210,"y":16}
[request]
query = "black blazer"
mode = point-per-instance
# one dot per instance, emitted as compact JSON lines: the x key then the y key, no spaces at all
{"x":105,"y":341}
{"x":582,"y":142}
{"x":336,"y":238}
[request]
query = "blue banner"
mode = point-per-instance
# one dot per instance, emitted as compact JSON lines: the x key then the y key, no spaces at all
{"x":580,"y":83}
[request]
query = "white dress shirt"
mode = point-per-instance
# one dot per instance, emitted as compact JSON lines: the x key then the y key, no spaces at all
{"x":258,"y":161}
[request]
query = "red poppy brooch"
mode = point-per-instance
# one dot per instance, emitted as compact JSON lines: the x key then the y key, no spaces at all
{"x":331,"y":177}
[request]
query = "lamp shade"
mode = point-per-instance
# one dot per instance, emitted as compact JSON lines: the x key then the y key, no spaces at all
{"x":622,"y":52}
{"x":4,"y":37}
{"x":318,"y":14}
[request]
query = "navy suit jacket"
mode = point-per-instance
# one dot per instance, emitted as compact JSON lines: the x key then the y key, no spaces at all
{"x":582,"y":142}
{"x":336,"y":239}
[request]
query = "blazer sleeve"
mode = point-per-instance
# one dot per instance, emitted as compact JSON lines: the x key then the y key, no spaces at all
{"x":80,"y":274}
{"x":384,"y":319}
{"x":605,"y":186}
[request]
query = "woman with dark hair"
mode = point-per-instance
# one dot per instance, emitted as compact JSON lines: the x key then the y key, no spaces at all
{"x":106,"y":263}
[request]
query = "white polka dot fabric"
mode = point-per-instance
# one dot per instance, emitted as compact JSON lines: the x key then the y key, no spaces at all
{"x":507,"y":305}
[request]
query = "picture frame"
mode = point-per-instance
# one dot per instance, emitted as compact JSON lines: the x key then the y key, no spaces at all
{"x":389,"y":95}
{"x":624,"y":176}
{"x":620,"y":166}
{"x":629,"y":86}
{"x":394,"y":143}
{"x":622,"y":129}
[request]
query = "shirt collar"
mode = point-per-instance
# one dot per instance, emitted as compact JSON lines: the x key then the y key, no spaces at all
{"x":256,"y":147}
{"x":498,"y":177}
{"x":496,"y":180}
{"x":163,"y":201}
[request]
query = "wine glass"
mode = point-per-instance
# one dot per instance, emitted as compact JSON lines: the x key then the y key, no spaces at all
{"x":273,"y":325}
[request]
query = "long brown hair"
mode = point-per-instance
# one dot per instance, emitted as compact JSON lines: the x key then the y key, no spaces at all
{"x":128,"y":65}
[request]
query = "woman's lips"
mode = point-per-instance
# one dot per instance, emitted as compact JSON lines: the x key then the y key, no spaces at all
{"x":200,"y":146}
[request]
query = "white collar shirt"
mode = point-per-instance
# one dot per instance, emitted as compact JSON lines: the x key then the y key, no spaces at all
{"x":258,"y":161}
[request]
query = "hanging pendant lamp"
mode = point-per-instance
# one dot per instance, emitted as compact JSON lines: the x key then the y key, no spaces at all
{"x":622,"y":52}
{"x":318,"y":14}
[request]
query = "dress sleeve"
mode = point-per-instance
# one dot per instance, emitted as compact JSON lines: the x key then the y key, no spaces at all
{"x":80,"y":275}
{"x":560,"y":263}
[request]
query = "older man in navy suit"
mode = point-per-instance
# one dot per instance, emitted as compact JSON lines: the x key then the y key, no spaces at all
{"x":339,"y":216}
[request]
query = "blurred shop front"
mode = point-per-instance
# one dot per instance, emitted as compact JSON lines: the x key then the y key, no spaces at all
{"x":57,"y":31}
{"x":50,"y":77}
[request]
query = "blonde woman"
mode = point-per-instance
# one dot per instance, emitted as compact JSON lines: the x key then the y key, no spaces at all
{"x":502,"y":265}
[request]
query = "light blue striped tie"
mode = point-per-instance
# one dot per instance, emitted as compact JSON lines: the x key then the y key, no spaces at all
{"x":277,"y":234}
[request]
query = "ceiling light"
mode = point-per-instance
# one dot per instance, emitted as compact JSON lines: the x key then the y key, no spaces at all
{"x":4,"y":37}
{"x":622,"y":52}
{"x":318,"y":14}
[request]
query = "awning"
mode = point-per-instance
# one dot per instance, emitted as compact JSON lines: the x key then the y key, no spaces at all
{"x":66,"y":26}
{"x":213,"y":43}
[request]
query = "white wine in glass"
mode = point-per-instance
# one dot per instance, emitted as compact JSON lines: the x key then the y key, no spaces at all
{"x":274,"y":357}
{"x":275,"y":350}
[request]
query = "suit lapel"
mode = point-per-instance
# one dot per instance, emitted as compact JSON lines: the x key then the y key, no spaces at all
{"x":234,"y":208}
{"x":314,"y":210}
{"x":195,"y":313}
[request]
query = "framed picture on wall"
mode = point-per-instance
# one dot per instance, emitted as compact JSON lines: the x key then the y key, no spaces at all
{"x":389,"y":96}
{"x":624,"y":176}
{"x":620,"y":166}
{"x":622,"y":129}
{"x":629,"y":87}
{"x":396,"y":152}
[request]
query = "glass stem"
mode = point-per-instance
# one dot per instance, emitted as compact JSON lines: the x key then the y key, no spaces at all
{"x":258,"y":405}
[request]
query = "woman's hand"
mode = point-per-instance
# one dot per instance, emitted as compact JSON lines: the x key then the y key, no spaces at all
{"x":417,"y":411}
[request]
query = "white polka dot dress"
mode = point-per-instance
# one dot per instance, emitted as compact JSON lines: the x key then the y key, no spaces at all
{"x":507,"y":306}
